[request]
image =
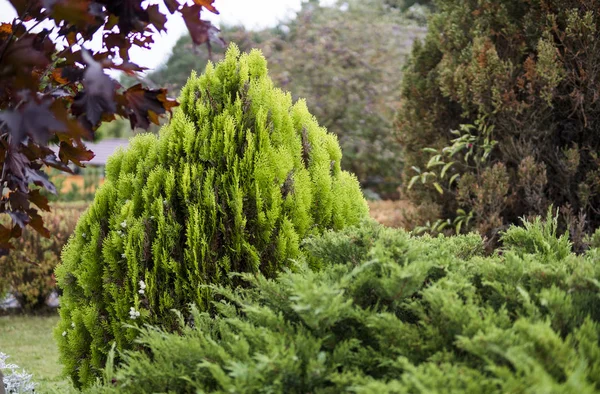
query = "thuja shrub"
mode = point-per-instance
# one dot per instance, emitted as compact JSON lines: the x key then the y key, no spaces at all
{"x":390,"y":313}
{"x":499,"y":108}
{"x":233,"y":184}
{"x":27,"y":272}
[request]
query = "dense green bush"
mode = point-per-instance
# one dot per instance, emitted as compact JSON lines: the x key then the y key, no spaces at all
{"x":500,"y":117}
{"x":391,"y":313}
{"x":28,"y":270}
{"x":233,"y":184}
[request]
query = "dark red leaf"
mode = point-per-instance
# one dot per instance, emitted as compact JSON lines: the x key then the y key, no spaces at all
{"x":98,"y":95}
{"x":19,"y":218}
{"x":76,"y":154}
{"x":144,"y":105}
{"x":25,"y":5}
{"x":52,"y":161}
{"x":73,"y":13}
{"x":157,"y":18}
{"x":33,"y":120}
{"x":172,"y":5}
{"x":18,"y":201}
{"x":39,"y":200}
{"x":30,"y":50}
{"x":37,"y":223}
{"x":199,"y":29}
{"x":39,"y":178}
{"x":16,"y":162}
{"x":132,"y":17}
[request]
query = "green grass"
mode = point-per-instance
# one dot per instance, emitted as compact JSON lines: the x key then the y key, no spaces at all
{"x":29,"y":342}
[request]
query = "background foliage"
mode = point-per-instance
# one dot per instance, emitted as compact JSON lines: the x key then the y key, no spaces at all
{"x":515,"y":79}
{"x":28,"y":272}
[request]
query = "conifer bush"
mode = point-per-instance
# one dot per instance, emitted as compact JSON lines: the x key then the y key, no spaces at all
{"x":233,"y":183}
{"x":499,"y":115}
{"x":391,"y":313}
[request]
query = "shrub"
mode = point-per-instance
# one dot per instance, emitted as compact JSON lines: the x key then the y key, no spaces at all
{"x":14,"y":382}
{"x":499,"y":117}
{"x":391,"y":313}
{"x":28,"y":271}
{"x":233,"y":184}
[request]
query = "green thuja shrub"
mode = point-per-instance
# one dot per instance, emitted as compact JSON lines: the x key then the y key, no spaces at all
{"x":233,"y":183}
{"x":499,"y":116}
{"x":391,"y":313}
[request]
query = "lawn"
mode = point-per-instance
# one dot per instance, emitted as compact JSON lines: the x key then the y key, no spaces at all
{"x":29,"y":343}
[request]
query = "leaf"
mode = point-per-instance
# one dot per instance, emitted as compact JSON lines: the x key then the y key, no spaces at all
{"x":429,"y":150}
{"x":98,"y":95}
{"x":144,"y":105}
{"x":435,"y":161}
{"x":458,"y":227}
{"x":451,"y":181}
{"x":172,"y":5}
{"x":39,"y":200}
{"x":37,"y":223}
{"x":131,"y":16}
{"x":76,"y":154}
{"x":412,"y":181}
{"x":31,"y":120}
{"x":200,"y":30}
{"x":74,"y":13}
{"x":157,"y":18}
{"x":38,"y":177}
{"x":30,"y":50}
{"x":445,"y":169}
{"x":19,"y":218}
{"x":208,"y":5}
{"x":438,"y":187}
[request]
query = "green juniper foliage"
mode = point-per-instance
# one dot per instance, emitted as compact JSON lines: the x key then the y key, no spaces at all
{"x":233,"y":184}
{"x":391,"y":313}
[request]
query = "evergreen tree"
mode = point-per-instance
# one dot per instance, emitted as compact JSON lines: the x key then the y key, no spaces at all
{"x":233,"y":183}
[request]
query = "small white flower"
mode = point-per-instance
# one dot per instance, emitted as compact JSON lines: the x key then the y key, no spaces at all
{"x":123,"y":255}
{"x":124,"y":223}
{"x":133,"y":314}
{"x":83,"y":235}
{"x":73,"y":324}
{"x":64,"y":334}
{"x":165,"y":202}
{"x":152,"y":217}
{"x":142,"y":285}
{"x":141,"y":291}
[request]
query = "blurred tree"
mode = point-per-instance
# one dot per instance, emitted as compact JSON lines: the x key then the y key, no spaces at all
{"x":346,"y":60}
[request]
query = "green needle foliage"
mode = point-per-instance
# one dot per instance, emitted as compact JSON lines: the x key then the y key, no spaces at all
{"x":391,"y":313}
{"x":233,"y":184}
